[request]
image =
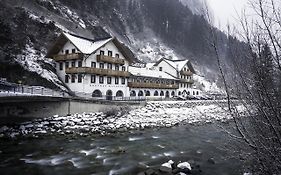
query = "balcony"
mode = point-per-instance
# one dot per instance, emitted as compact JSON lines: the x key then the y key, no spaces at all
{"x":66,"y":57}
{"x":152,"y":85}
{"x":109,"y":59}
{"x":187,"y":81}
{"x":97,"y":71}
{"x":187,"y":73}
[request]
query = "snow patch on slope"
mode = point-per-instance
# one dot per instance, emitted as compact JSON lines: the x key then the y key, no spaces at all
{"x":207,"y":86}
{"x":30,"y":60}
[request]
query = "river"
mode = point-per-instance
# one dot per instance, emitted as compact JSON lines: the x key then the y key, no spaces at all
{"x":205,"y":145}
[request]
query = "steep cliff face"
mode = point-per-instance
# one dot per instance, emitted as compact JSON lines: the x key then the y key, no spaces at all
{"x":152,"y":29}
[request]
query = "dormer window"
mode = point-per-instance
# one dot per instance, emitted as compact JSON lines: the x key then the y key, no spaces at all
{"x":101,"y":52}
{"x":110,"y":53}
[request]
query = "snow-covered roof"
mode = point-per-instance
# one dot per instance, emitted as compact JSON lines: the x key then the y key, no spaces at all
{"x":149,"y":65}
{"x":84,"y":45}
{"x":178,"y":65}
{"x":144,"y":72}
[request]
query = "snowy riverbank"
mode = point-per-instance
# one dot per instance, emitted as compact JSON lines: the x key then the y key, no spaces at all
{"x":153,"y":115}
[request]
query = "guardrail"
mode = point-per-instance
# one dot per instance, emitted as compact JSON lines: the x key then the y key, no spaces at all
{"x":31,"y":90}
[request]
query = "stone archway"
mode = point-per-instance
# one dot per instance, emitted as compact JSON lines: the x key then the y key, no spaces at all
{"x":161,"y":93}
{"x":97,"y":93}
{"x":167,"y":94}
{"x":147,"y":93}
{"x":133,"y":93}
{"x":109,"y":95}
{"x":156,"y":94}
{"x":140,"y":94}
{"x":119,"y":93}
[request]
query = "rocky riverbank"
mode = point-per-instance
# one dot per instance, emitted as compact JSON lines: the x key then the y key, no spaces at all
{"x":153,"y":115}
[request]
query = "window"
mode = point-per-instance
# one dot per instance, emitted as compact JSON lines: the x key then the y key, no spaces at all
{"x":66,"y":78}
{"x":109,"y":66}
{"x":101,"y":80}
{"x":79,"y":78}
{"x":116,"y":67}
{"x":110,"y":53}
{"x":101,"y":52}
{"x":61,"y":66}
{"x":93,"y":64}
{"x":79,"y":63}
{"x":123,"y":68}
{"x":117,"y":55}
{"x":101,"y":65}
{"x":66,"y":51}
{"x":72,"y":78}
{"x":73,"y":51}
{"x":93,"y":79}
{"x":123,"y":81}
{"x":73,"y":64}
{"x":108,"y":80}
{"x":160,"y":68}
{"x":116,"y":80}
{"x":66,"y":65}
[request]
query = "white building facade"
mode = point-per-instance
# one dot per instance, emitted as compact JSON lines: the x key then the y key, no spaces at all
{"x":91,"y":68}
{"x":101,"y":69}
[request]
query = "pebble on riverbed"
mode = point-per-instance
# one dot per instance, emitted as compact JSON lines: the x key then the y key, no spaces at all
{"x":156,"y":115}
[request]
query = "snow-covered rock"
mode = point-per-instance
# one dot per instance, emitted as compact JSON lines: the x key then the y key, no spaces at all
{"x":184,"y":165}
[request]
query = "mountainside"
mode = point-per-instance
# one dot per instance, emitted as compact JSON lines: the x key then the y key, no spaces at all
{"x":152,"y":29}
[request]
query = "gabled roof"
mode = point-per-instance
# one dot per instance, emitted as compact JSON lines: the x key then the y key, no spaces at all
{"x":144,"y":72}
{"x":86,"y":45}
{"x":177,"y":64}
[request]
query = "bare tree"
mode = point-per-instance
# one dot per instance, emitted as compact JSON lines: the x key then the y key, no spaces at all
{"x":256,"y":82}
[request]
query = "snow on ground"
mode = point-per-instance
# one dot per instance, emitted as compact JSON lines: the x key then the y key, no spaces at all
{"x":153,"y":115}
{"x":29,"y":59}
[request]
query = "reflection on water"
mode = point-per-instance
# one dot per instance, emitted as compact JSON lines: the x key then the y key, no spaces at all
{"x":206,"y":146}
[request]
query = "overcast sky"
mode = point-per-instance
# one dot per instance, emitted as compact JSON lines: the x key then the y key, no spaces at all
{"x":226,"y":11}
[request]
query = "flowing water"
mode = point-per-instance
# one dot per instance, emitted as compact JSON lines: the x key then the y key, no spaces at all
{"x":205,"y":145}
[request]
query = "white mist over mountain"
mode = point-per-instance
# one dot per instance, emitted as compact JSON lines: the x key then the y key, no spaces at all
{"x":227,"y":11}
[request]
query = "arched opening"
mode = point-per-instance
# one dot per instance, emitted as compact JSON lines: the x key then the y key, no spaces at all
{"x":197,"y":93}
{"x":193,"y":93}
{"x":161,"y":93}
{"x":184,"y":92}
{"x":156,"y":93}
{"x":167,"y":94}
{"x":133,"y":93}
{"x":179,"y":93}
{"x":173,"y":93}
{"x":147,"y":93}
{"x":109,"y":95}
{"x":97,"y":93}
{"x":119,"y":94}
{"x":140,"y":94}
{"x":188,"y":92}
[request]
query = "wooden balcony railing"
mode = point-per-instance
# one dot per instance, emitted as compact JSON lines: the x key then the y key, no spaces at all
{"x":72,"y":56}
{"x":152,"y":85}
{"x":187,"y":81}
{"x":109,"y":59}
{"x":97,"y":71}
{"x":187,"y":73}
